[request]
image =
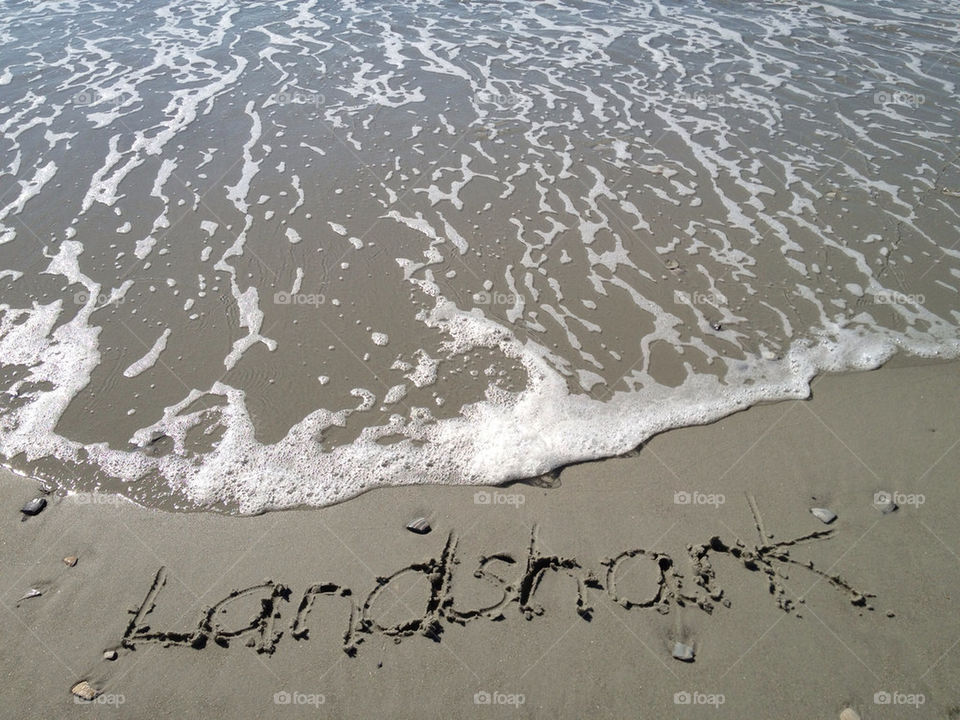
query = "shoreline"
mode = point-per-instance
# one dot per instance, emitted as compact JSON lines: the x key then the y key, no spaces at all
{"x":584,"y":586}
{"x":899,"y":359}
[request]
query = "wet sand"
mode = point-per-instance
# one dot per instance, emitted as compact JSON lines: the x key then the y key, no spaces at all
{"x":254,"y":257}
{"x":564,"y":634}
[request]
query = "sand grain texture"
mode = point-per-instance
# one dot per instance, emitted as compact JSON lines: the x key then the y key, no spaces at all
{"x":794,"y":644}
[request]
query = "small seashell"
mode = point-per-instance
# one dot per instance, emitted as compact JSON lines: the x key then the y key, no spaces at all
{"x":672,"y":264}
{"x":682,"y":652}
{"x":34,"y":507}
{"x":31,"y":593}
{"x":883,"y":501}
{"x":716,"y":325}
{"x":109,"y":654}
{"x":70,"y":560}
{"x":420,"y":526}
{"x":84,"y":690}
{"x":849,"y":714}
{"x":823,"y":515}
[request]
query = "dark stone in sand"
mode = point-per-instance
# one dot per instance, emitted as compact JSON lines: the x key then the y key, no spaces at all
{"x":34,"y":507}
{"x":420,"y":526}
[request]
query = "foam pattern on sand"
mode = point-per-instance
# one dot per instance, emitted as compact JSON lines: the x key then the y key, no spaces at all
{"x":508,"y":235}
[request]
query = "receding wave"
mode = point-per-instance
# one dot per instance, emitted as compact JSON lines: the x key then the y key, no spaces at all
{"x":256,"y":255}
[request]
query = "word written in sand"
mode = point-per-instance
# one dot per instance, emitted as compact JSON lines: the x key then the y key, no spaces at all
{"x":279,"y":614}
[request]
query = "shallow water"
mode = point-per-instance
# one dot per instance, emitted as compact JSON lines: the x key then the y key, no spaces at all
{"x":256,"y":255}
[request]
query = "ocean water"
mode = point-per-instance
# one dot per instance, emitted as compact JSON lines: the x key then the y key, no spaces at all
{"x":260,"y":255}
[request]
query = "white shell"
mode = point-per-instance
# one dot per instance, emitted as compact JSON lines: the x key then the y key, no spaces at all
{"x":682,"y":652}
{"x":849,"y":714}
{"x":883,"y":501}
{"x":84,"y":690}
{"x":823,"y":515}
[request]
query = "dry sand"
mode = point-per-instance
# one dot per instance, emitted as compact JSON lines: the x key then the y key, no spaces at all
{"x":875,"y":613}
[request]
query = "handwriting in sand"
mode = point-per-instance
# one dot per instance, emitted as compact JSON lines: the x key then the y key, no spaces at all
{"x":517,"y":591}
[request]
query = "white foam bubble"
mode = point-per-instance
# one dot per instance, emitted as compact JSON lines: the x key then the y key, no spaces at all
{"x":551,"y":191}
{"x":150,"y":359}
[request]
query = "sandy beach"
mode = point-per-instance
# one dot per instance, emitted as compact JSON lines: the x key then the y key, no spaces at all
{"x":342,"y":612}
{"x":552,"y":359}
